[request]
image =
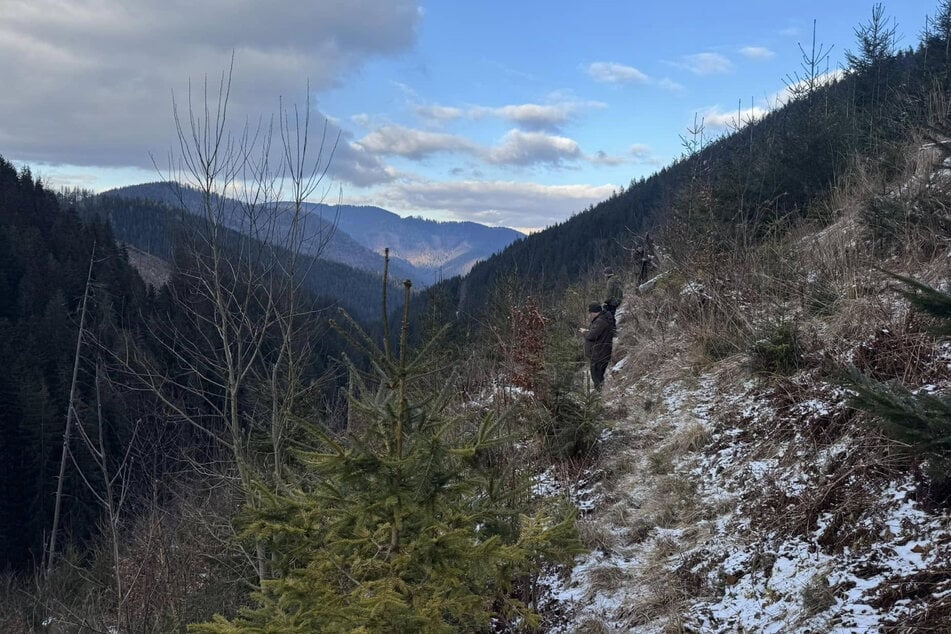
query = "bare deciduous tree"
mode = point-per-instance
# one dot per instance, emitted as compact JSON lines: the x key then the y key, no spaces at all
{"x":70,"y":416}
{"x":241,"y":330}
{"x":815,"y":69}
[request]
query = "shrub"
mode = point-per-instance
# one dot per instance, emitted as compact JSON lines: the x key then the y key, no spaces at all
{"x":572,"y":426}
{"x":821,"y":297}
{"x":885,"y":219}
{"x":817,"y":596}
{"x":917,"y":220}
{"x":717,"y":348}
{"x":921,"y":421}
{"x":396,"y":528}
{"x":778,"y":350}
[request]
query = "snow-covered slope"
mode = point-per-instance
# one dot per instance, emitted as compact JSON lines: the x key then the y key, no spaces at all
{"x":728,"y":500}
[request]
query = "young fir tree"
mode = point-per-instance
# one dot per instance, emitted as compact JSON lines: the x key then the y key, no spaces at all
{"x":922,"y":421}
{"x":930,"y":300}
{"x":397,"y":529}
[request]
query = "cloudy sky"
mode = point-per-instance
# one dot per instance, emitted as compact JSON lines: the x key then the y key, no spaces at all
{"x":516,"y":113}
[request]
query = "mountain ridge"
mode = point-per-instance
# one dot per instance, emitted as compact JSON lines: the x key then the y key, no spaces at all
{"x":356,"y":235}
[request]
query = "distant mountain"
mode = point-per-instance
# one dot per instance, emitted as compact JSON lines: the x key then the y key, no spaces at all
{"x":149,"y":229}
{"x":422,"y":250}
{"x":340,"y":247}
{"x":436,"y":249}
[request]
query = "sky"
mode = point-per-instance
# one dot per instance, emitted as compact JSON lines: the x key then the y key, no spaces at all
{"x":516,"y":113}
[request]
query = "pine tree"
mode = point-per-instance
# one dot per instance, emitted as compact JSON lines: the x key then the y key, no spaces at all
{"x":398,"y":528}
{"x":876,"y":41}
{"x":920,"y":420}
{"x":930,"y":300}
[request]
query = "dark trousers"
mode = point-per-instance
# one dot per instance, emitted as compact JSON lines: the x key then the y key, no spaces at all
{"x":598,"y":369}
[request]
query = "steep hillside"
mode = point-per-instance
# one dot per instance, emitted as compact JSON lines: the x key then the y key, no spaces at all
{"x":46,"y":254}
{"x":152,"y":229}
{"x":737,"y":488}
{"x":319,"y":234}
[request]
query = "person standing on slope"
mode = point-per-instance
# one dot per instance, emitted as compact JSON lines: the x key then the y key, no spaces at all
{"x":613,"y":293}
{"x":598,"y":338}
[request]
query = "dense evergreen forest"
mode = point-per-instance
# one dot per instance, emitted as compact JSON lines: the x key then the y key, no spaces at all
{"x":45,"y":254}
{"x":46,"y":251}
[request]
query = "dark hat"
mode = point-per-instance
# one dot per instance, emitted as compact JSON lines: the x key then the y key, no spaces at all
{"x":594,"y":307}
{"x":608,"y":270}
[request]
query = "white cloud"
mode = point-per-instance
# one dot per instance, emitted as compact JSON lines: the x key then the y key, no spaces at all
{"x":706,"y":64}
{"x":353,"y":164}
{"x":538,"y":116}
{"x":438,"y":113}
{"x":531,"y":115}
{"x":670,"y":85}
{"x":528,"y":148}
{"x":757,"y":52}
{"x":614,"y":73}
{"x":719,"y":119}
{"x":637,"y":153}
{"x":639,"y":150}
{"x":503,"y":203}
{"x":517,"y":147}
{"x":603,"y":158}
{"x":411,"y":143}
{"x":88,"y":82}
{"x":362,"y":119}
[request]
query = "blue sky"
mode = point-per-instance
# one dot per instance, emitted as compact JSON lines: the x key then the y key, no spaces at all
{"x":515,"y":113}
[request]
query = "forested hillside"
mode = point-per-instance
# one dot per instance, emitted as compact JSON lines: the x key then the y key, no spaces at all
{"x":422,"y":250}
{"x":45,"y":256}
{"x":156,"y":228}
{"x":124,"y":420}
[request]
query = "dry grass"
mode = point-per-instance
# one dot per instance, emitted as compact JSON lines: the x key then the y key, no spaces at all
{"x":902,"y":350}
{"x":706,"y":314}
{"x":596,"y":535}
{"x":817,"y":595}
{"x":932,"y":614}
{"x":673,"y":501}
{"x":607,"y":578}
{"x":665,"y":596}
{"x":593,"y":625}
{"x":691,"y":438}
{"x":660,"y":462}
{"x":844,"y":494}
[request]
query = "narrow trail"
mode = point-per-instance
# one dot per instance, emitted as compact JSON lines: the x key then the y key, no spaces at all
{"x":720,"y":502}
{"x":634,"y":510}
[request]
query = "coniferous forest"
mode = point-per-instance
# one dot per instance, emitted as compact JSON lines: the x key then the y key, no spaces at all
{"x":269,"y":441}
{"x":46,"y":253}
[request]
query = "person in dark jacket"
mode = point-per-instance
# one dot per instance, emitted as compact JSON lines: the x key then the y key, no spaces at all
{"x":598,"y":338}
{"x":613,"y":291}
